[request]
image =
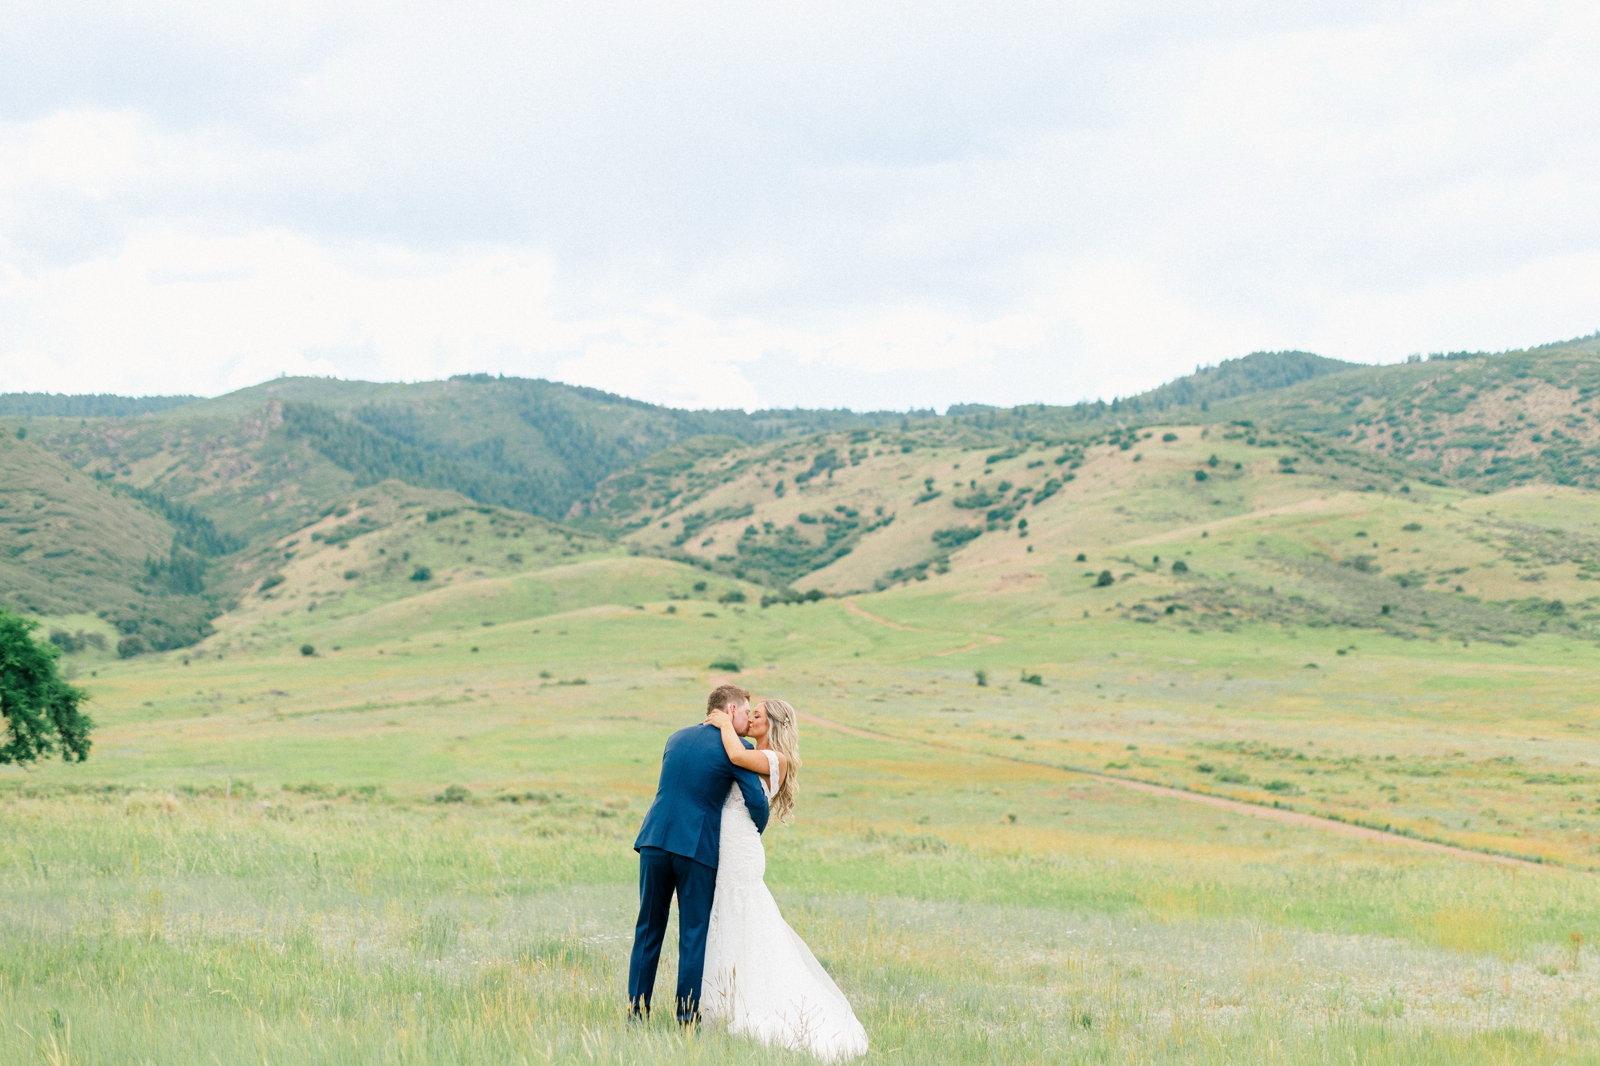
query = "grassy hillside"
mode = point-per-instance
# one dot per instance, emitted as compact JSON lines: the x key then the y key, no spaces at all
{"x":1332,"y":539}
{"x":873,"y":500}
{"x":391,"y":560}
{"x":532,"y":445}
{"x":259,"y":466}
{"x":73,"y":545}
{"x":1488,"y":421}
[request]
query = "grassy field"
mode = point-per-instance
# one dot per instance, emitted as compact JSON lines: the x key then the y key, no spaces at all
{"x":413,"y":845}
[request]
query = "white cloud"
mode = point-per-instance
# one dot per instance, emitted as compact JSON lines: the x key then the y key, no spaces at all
{"x":850,"y":205}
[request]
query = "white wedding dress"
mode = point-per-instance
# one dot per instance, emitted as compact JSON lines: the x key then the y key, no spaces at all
{"x":760,"y":978}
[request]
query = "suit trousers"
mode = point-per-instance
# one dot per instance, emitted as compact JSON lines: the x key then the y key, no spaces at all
{"x":661,"y":873}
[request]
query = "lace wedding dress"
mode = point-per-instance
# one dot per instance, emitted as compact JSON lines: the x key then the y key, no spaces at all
{"x":761,"y":979}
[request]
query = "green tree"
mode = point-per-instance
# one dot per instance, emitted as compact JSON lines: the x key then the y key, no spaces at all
{"x":40,"y":709}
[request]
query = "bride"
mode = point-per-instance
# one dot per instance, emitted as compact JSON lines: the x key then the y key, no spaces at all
{"x":761,"y":979}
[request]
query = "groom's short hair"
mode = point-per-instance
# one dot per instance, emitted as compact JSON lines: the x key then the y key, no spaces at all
{"x":724,"y":696}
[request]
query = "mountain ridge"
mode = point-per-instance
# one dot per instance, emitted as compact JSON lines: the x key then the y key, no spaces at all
{"x":229,"y":481}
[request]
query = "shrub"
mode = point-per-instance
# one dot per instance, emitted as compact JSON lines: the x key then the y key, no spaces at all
{"x":1169,"y":437}
{"x":1104,"y":579}
{"x":454,"y":794}
{"x":1180,"y":567}
{"x":731,"y":596}
{"x":1234,"y":777}
{"x":76,"y":642}
{"x":1412,"y":527}
{"x":1082,"y":558}
{"x":981,"y":677}
{"x":351,"y":575}
{"x":1278,"y":786}
{"x":422,"y":573}
{"x":824,"y":463}
{"x":307,"y":650}
{"x":131,"y":645}
{"x":725,"y":664}
{"x":1199,"y":475}
{"x":271,"y":581}
{"x":791,"y":596}
{"x":699,"y":586}
{"x":953,"y":537}
{"x":1031,"y":679}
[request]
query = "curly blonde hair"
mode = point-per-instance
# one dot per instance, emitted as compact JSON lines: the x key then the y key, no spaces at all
{"x":783,"y":736}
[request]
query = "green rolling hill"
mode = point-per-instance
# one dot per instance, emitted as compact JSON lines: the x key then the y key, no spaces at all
{"x":165,"y":513}
{"x":224,"y":484}
{"x":1484,"y":421}
{"x":79,"y":549}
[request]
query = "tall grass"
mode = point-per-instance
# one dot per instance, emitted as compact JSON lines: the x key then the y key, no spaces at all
{"x":147,"y":928}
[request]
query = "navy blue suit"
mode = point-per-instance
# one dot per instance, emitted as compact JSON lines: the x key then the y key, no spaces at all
{"x":678,"y":847}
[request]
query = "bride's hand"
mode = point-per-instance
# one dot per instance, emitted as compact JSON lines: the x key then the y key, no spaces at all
{"x":720,"y":719}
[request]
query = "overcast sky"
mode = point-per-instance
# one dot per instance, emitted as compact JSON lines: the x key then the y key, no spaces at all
{"x":754,"y":204}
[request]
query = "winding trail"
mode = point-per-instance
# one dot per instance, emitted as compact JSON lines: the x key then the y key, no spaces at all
{"x":990,"y":638}
{"x":856,"y":609}
{"x":1254,"y":810}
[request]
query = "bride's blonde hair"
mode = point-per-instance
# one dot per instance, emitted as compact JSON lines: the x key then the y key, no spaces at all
{"x":783,"y":737}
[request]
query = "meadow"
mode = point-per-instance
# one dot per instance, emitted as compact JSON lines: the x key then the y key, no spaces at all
{"x":413,"y":844}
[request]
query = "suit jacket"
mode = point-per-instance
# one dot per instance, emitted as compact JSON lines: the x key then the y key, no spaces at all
{"x":686,"y":817}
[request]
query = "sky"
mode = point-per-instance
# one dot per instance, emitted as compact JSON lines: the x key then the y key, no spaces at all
{"x":865,"y":205}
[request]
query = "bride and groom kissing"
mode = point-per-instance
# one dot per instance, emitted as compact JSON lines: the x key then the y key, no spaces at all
{"x":739,"y":963}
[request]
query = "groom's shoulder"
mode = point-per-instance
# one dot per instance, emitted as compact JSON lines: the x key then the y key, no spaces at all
{"x":687,"y":735}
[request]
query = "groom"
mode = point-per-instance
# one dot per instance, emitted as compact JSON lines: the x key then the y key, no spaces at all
{"x":678,"y":848}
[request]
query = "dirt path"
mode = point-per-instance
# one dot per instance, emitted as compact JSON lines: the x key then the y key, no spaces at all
{"x":854,"y":608}
{"x":1254,"y":810}
{"x":989,"y":639}
{"x":852,"y":730}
